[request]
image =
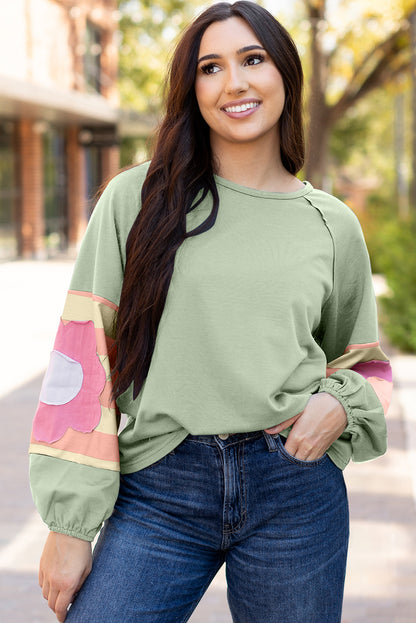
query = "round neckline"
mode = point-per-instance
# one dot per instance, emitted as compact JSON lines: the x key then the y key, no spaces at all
{"x":267,"y":194}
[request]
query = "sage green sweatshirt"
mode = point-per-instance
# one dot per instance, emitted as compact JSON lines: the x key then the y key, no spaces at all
{"x":271,"y":305}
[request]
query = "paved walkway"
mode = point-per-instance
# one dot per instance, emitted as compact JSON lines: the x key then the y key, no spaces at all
{"x":381,"y":580}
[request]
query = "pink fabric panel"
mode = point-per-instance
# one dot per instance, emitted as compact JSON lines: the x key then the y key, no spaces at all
{"x":380,"y":369}
{"x":330,"y":371}
{"x":383,"y":390}
{"x":96,"y":445}
{"x":104,"y":342}
{"x":78,"y":341}
{"x":105,"y":397}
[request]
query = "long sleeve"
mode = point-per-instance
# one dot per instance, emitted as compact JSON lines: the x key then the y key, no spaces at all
{"x":74,"y":462}
{"x":358,"y":372}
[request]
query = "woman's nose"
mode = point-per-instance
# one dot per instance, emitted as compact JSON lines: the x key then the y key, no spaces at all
{"x":236,"y":82}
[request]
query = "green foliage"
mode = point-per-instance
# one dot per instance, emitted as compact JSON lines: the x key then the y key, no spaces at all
{"x":376,"y":221}
{"x":391,"y":244}
{"x":133,"y":150}
{"x":397,"y":260}
{"x":350,"y":133}
{"x":146,"y":34}
{"x":362,"y":143}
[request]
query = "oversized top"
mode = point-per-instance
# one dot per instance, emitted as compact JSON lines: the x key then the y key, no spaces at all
{"x":272,"y":304}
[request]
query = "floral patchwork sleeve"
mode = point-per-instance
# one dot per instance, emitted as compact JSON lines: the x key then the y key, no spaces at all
{"x":358,"y":372}
{"x":74,"y":462}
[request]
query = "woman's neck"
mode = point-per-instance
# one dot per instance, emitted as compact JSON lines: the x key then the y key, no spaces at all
{"x":253,"y":166}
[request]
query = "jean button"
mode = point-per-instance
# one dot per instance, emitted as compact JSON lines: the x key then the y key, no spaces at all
{"x":223,"y":436}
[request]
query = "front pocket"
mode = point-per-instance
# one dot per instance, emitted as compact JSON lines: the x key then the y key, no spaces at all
{"x":280,"y":440}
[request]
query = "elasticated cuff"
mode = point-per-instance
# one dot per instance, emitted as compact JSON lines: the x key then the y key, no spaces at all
{"x":365,"y":414}
{"x":75,"y":533}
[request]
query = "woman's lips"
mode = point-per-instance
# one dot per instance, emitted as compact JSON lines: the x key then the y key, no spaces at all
{"x":241,"y":110}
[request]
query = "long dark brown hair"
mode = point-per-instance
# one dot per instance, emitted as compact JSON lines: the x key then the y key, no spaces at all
{"x":180,"y":169}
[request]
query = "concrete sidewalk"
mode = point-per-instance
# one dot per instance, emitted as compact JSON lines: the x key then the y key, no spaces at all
{"x":381,"y":578}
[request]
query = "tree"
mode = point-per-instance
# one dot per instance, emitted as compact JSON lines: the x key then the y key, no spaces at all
{"x":147,"y":31}
{"x":349,"y":57}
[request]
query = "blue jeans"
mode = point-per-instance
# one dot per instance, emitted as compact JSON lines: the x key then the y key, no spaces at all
{"x":280,"y":524}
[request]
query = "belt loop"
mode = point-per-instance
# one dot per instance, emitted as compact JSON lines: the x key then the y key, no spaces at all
{"x":271,"y":442}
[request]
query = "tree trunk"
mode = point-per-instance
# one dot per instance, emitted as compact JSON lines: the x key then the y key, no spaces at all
{"x":317,"y":140}
{"x":317,"y":158}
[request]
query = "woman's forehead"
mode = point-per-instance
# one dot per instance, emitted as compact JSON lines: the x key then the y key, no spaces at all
{"x":227,"y":36}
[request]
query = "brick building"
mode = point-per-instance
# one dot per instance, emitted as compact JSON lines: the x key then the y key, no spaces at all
{"x":58,"y":119}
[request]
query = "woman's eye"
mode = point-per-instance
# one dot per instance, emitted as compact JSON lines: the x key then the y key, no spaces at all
{"x":255,"y":59}
{"x":210,"y":68}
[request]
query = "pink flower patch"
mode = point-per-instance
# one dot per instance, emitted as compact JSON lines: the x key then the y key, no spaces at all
{"x":70,"y":395}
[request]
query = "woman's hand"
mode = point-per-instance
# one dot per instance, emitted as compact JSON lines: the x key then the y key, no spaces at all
{"x":64,"y":565}
{"x":315,"y":429}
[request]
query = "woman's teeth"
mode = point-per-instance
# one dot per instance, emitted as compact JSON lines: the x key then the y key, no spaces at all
{"x":241,"y":108}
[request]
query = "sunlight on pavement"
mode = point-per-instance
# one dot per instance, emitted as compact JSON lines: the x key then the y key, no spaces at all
{"x":363,"y":570}
{"x":24,"y":551}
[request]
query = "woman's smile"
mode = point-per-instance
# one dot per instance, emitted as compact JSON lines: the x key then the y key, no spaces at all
{"x":241,"y":108}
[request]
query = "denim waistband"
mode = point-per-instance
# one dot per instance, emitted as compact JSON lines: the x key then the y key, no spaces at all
{"x":227,"y":439}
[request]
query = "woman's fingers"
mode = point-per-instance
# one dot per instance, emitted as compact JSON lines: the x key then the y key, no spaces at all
{"x":45,"y":590}
{"x":322,"y":422}
{"x":60,"y":595}
{"x":314,"y":429}
{"x":61,"y":605}
{"x":51,"y":598}
{"x":65,"y":563}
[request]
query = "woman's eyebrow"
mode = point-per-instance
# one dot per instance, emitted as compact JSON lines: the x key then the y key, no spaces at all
{"x":246,"y":48}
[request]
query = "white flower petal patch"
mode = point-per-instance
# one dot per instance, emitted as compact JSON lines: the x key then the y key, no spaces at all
{"x":63,"y":380}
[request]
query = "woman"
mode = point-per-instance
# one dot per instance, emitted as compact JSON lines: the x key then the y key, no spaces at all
{"x":237,"y":330}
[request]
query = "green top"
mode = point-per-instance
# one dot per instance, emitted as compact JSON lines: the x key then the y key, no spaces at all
{"x":258,"y":307}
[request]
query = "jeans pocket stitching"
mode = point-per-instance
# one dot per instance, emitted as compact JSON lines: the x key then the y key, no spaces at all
{"x":294,"y":460}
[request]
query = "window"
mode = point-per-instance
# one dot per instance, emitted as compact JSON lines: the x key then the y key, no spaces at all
{"x":9,"y":191}
{"x":93,"y":170}
{"x":92,"y":58}
{"x":55,"y":189}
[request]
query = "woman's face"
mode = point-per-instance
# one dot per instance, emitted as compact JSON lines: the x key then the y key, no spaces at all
{"x":239,"y":89}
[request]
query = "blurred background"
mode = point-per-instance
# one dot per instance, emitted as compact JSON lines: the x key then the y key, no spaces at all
{"x":81,"y":86}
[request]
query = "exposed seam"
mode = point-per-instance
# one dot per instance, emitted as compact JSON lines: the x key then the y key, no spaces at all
{"x":318,"y":209}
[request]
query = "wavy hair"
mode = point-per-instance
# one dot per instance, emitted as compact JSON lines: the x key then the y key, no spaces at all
{"x":181,"y":168}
